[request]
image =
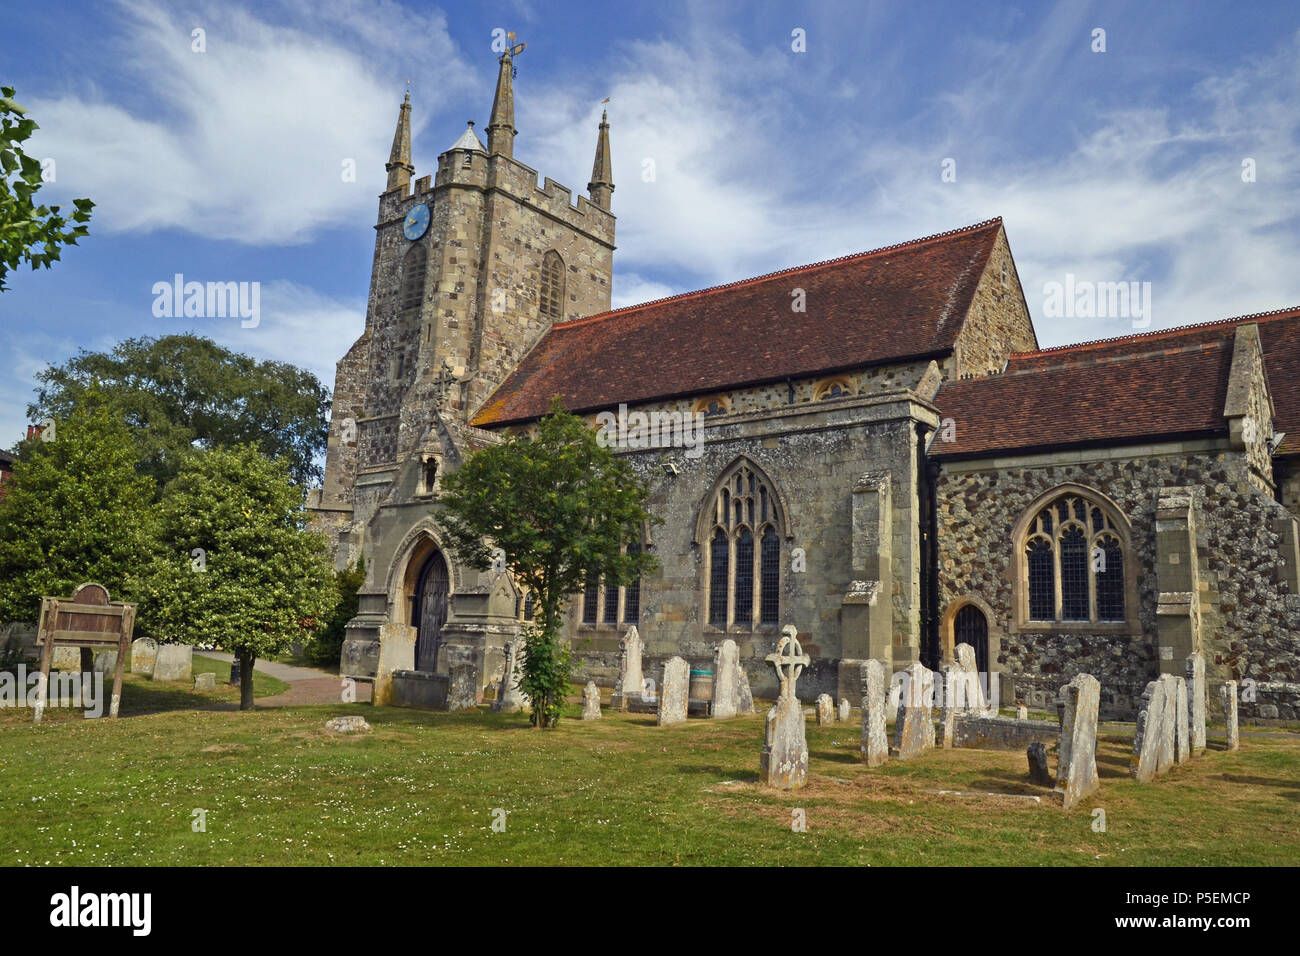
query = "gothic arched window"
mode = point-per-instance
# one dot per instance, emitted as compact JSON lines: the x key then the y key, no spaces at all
{"x":600,"y":599}
{"x":550,"y":293}
{"x":1072,"y":550}
{"x":742,"y":525}
{"x":414,"y":266}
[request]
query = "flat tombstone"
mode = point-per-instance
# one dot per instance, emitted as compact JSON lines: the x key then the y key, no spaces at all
{"x":914,"y":731}
{"x":825,"y":710}
{"x":205,"y":681}
{"x":1229,"y":692}
{"x":174,"y":662}
{"x":144,"y":653}
{"x":1182,"y":734}
{"x":726,"y":688}
{"x":875,"y":742}
{"x":591,"y":701}
{"x":673,"y":699}
{"x":1077,"y":752}
{"x":783,"y":763}
{"x":845,"y":711}
{"x":347,"y":725}
{"x":1196,"y":702}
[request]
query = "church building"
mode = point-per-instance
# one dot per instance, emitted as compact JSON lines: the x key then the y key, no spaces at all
{"x":887,"y":461}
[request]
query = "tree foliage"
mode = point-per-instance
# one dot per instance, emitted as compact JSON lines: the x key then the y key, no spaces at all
{"x":562,"y":509}
{"x":29,"y":232}
{"x":74,"y":510}
{"x":236,"y":565}
{"x":181,"y":391}
{"x":328,"y":645}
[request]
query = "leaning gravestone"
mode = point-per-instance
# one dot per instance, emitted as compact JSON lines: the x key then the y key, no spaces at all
{"x":1036,"y":753}
{"x":510,"y":699}
{"x":174,"y":662}
{"x":953,"y":688}
{"x":1196,"y":702}
{"x":591,"y":701}
{"x":783,"y":763}
{"x":914,"y":730}
{"x":875,"y":743}
{"x":1076,"y":775}
{"x":144,"y":653}
{"x":1153,"y":741}
{"x":631,"y":679}
{"x":673,"y":693}
{"x":726,"y":689}
{"x":1229,"y":692}
{"x":744,"y":696}
{"x":462,"y":694}
{"x":825,"y":709}
{"x":1182,"y":733}
{"x":845,"y":711}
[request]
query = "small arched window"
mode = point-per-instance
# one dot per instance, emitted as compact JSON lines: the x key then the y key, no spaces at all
{"x":1073,"y":552}
{"x":713,"y":405}
{"x":742,"y":526}
{"x":831,"y":388}
{"x":414,"y":267}
{"x":550,"y":294}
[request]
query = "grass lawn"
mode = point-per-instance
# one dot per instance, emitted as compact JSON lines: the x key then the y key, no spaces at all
{"x":422,"y":788}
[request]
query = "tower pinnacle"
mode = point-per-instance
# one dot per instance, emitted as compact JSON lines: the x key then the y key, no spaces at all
{"x":399,"y":161}
{"x":501,"y":127}
{"x":601,"y":186}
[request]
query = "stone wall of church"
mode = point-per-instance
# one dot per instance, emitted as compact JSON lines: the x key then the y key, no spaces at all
{"x":813,"y":455}
{"x":998,"y":322}
{"x":1289,"y":488}
{"x":1251,"y":622}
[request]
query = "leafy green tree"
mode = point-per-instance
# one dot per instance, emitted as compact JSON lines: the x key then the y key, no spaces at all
{"x":28,"y":232}
{"x":561,"y":509}
{"x":328,"y":645}
{"x":236,"y":565}
{"x":181,"y":391}
{"x":74,"y":510}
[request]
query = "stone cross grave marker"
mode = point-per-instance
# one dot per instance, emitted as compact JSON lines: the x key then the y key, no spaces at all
{"x":784,"y":761}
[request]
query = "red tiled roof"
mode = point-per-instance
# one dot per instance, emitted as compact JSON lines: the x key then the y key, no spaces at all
{"x":895,"y":303}
{"x":1164,"y":383}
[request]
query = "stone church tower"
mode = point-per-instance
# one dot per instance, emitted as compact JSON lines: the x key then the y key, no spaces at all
{"x":472,"y":266}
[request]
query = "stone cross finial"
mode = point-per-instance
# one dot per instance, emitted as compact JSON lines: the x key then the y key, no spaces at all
{"x":789,"y":653}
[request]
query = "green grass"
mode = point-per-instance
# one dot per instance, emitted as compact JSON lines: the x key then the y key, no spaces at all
{"x":421,"y":789}
{"x":264,"y":685}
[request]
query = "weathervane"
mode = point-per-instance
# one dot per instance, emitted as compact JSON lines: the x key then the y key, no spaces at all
{"x":513,"y":51}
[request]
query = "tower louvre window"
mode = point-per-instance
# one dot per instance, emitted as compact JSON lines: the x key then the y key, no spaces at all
{"x":550,"y":294}
{"x":414,"y":267}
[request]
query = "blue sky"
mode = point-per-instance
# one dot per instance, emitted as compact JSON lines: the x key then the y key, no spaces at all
{"x":225,"y":165}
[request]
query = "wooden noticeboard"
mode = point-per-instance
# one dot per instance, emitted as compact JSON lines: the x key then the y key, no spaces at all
{"x":87,"y":619}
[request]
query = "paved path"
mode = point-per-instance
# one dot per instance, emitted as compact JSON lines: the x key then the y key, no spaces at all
{"x":307,"y":685}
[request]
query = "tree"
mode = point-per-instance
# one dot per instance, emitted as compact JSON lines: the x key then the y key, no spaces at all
{"x":328,"y":646}
{"x":559,"y":510}
{"x":28,"y":232}
{"x":74,"y":510}
{"x":179,"y":391}
{"x":236,"y":565}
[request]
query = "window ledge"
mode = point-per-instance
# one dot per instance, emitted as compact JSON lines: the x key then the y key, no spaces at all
{"x":1079,"y":627}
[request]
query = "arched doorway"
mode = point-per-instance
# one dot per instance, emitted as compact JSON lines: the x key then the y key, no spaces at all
{"x":429,"y":611}
{"x":970,"y":626}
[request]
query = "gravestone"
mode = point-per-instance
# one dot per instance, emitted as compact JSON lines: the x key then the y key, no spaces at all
{"x":914,"y":730}
{"x":105,"y":662}
{"x":744,"y":696}
{"x":1182,"y":730}
{"x":825,"y":710}
{"x":143,"y":654}
{"x":591,"y":701}
{"x":895,"y":697}
{"x":510,"y":699}
{"x":347,"y":725}
{"x":1036,"y":753}
{"x":726,"y":687}
{"x":66,"y":659}
{"x":1229,"y":694}
{"x":462,"y":692}
{"x":1153,"y":741}
{"x":631,"y":679}
{"x":1196,"y":702}
{"x":783,"y":763}
{"x":845,"y":711}
{"x":673,"y":699}
{"x":1076,"y":775}
{"x":875,"y":743}
{"x":205,"y":681}
{"x":1022,"y":713}
{"x":952,"y":689}
{"x":174,"y":662}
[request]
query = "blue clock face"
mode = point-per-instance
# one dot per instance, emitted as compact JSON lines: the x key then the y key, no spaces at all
{"x":416,"y":222}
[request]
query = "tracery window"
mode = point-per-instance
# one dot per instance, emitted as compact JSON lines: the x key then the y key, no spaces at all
{"x":713,"y":405}
{"x":1073,"y":550}
{"x":550,"y":293}
{"x":832,"y":388}
{"x":741,"y":528}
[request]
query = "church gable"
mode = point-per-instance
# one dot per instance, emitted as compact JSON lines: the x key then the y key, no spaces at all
{"x":891,"y":305}
{"x":998,"y":321}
